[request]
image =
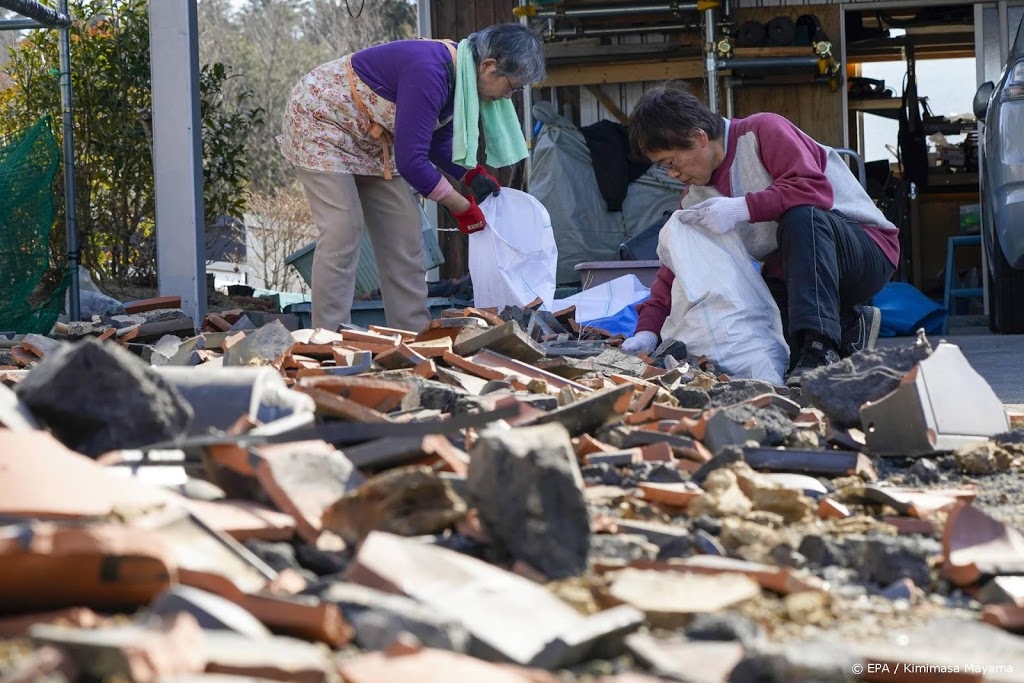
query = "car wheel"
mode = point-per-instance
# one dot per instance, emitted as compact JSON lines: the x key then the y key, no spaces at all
{"x":1005,"y":296}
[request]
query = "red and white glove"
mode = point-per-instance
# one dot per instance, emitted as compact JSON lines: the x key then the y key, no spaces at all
{"x":718,"y":214}
{"x":482,"y":183}
{"x":472,"y":219}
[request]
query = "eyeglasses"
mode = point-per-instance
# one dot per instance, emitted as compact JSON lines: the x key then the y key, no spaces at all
{"x":666,"y":166}
{"x":512,"y":90}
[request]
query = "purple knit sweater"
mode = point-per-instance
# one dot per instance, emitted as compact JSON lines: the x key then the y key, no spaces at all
{"x":414,"y":74}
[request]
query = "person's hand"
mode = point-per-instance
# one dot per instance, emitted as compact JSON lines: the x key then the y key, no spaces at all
{"x":641,"y":342}
{"x":482,"y":183}
{"x":718,"y":214}
{"x":472,"y":219}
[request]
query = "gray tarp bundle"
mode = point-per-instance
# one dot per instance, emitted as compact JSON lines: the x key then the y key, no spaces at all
{"x":563,"y":180}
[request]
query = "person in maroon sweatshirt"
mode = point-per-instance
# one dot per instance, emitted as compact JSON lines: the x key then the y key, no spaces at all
{"x":825,"y":247}
{"x":367,"y":130}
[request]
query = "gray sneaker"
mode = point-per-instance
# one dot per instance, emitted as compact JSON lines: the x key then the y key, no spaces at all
{"x":860,"y":329}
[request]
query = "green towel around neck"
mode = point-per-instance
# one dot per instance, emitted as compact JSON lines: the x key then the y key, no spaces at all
{"x":502,"y":129}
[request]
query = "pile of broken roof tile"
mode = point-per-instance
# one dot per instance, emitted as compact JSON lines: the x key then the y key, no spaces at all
{"x":495,"y":498}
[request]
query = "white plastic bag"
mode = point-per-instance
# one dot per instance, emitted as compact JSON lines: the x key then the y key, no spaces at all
{"x":721,"y":307}
{"x":513,"y":260}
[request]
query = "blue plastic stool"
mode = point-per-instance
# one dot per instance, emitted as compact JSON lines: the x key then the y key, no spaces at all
{"x":961,"y":292}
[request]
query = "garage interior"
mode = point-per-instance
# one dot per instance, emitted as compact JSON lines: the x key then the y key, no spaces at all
{"x":816,"y":64}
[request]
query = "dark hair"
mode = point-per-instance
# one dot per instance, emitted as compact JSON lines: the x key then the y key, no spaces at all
{"x":518,"y":51}
{"x":667,"y":116}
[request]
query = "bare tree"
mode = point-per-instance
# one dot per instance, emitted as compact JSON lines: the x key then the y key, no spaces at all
{"x":7,"y":40}
{"x":278,"y":226}
{"x":274,"y":43}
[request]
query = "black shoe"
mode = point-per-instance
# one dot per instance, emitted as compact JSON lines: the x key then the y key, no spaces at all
{"x":815,"y":353}
{"x":860,"y":330}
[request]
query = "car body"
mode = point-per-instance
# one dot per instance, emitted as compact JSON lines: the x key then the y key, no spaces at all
{"x":1001,"y":106}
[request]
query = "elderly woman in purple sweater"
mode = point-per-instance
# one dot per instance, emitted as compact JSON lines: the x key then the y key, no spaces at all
{"x":827,"y":249}
{"x":365,"y":131}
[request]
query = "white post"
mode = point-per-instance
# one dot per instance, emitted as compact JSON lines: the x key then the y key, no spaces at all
{"x":425,"y":29}
{"x":177,"y":153}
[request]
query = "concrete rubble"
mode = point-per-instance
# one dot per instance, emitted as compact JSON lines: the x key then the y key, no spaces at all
{"x":500,"y":496}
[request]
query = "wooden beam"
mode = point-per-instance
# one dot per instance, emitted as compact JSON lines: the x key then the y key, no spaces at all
{"x":592,"y":74}
{"x":608,"y":103}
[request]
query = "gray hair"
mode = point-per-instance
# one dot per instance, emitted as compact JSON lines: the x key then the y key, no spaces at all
{"x":518,"y":51}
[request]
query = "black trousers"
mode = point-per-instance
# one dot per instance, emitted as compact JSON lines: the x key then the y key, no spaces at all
{"x":830,"y":264}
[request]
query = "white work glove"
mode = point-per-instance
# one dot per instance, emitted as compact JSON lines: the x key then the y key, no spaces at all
{"x":718,"y":214}
{"x":641,"y":342}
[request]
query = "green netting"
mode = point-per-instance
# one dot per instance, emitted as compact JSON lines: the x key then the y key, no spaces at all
{"x":31,"y":292}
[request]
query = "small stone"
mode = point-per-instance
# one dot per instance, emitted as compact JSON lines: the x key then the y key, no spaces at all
{"x":926,"y":471}
{"x":321,"y":562}
{"x":708,"y":525}
{"x":666,"y":473}
{"x":278,"y":556}
{"x":725,"y":626}
{"x":621,"y":547}
{"x":722,"y":497}
{"x":785,"y":555}
{"x":601,"y":473}
{"x":986,"y":457}
{"x":737,"y":391}
{"x":692,"y":397}
{"x":726,"y":456}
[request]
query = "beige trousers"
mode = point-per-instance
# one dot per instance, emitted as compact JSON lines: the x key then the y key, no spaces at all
{"x":342,"y":205}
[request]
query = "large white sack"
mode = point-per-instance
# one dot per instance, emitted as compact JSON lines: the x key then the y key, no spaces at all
{"x":721,"y":306}
{"x":513,"y":260}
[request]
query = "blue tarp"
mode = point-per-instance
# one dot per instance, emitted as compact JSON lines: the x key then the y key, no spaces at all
{"x":905,"y":310}
{"x":622,"y":322}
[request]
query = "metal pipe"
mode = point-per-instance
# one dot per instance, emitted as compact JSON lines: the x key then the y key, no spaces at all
{"x":616,"y":10}
{"x":755,"y":82}
{"x":19,"y":24}
{"x":70,"y":203}
{"x":661,"y":28}
{"x":527,"y":114}
{"x":46,"y":16}
{"x":730,"y":98}
{"x":711,"y":64}
{"x":767,"y":62}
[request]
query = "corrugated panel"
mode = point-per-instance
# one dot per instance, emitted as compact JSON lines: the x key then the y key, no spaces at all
{"x":367,"y":278}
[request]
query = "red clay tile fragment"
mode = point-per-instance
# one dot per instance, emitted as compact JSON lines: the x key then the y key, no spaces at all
{"x":675,"y":495}
{"x":300,"y":616}
{"x":243,"y":520}
{"x":148,"y":653}
{"x":341,"y":408}
{"x":303,"y":478}
{"x":381,"y":395}
{"x":80,"y":617}
{"x":831,"y":509}
{"x":1007,"y":616}
{"x":433,"y":666}
{"x":42,"y":478}
{"x":976,"y":545}
{"x":103,"y":566}
{"x":910,"y":526}
{"x":705,"y":661}
{"x":143,"y":305}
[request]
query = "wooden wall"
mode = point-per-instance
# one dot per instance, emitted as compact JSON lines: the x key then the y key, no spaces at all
{"x":456,"y":19}
{"x":814,"y":108}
